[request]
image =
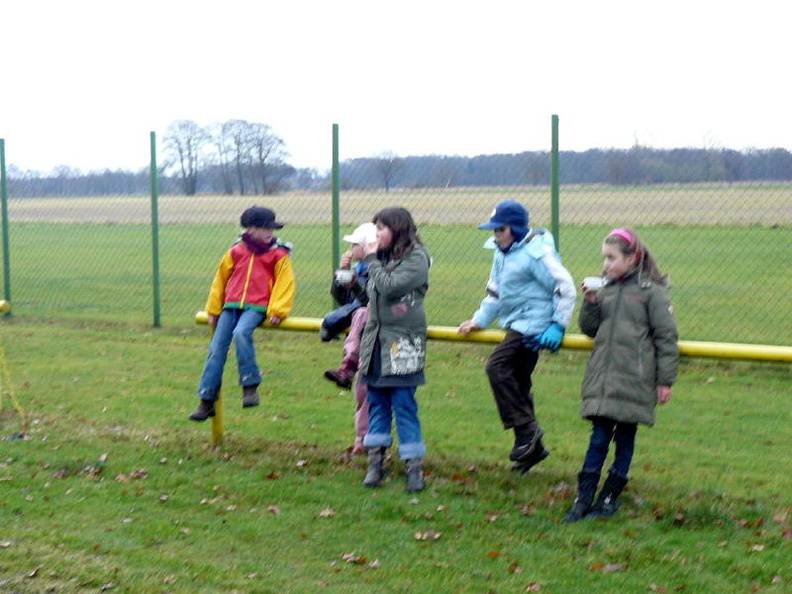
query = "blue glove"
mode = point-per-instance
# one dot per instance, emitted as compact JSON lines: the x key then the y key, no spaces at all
{"x":551,"y":338}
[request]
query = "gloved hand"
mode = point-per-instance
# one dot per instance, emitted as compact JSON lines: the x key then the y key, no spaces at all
{"x":551,"y":338}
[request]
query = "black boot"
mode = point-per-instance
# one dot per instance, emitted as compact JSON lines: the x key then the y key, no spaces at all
{"x":250,"y":396}
{"x":607,"y":503}
{"x":206,"y":409}
{"x":376,"y":467}
{"x":587,"y":487}
{"x":526,"y":438}
{"x":414,"y":471}
{"x":539,"y":453}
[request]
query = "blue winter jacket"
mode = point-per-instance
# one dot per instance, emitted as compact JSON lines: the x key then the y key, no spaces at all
{"x":528,"y":287}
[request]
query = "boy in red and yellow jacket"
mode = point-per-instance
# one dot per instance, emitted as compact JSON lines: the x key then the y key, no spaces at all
{"x":254,"y":281}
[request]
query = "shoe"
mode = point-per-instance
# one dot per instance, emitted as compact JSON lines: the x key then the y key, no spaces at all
{"x":344,"y":380}
{"x":607,"y":502}
{"x":587,"y":487}
{"x":376,"y":467}
{"x":414,"y":472}
{"x":206,"y":409}
{"x":250,"y":396}
{"x":523,"y":449}
{"x":540,"y":453}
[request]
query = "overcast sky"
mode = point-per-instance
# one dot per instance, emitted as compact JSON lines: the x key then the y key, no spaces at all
{"x":85,"y":81}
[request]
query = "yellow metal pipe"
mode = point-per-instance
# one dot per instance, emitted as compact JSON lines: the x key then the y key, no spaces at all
{"x":718,"y":350}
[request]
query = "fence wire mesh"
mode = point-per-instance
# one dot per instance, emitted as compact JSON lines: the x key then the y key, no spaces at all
{"x":725,"y":243}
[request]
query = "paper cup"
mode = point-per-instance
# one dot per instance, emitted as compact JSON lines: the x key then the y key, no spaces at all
{"x":593,"y":283}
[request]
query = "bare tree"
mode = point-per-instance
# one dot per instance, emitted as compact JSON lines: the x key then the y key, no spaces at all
{"x":388,"y":165}
{"x":223,"y":156}
{"x":255,"y":154}
{"x":236,"y":134}
{"x":185,"y":141}
{"x":268,"y":154}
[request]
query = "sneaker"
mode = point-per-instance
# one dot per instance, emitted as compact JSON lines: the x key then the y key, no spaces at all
{"x":206,"y":409}
{"x":344,"y":380}
{"x":250,"y":396}
{"x":523,"y":449}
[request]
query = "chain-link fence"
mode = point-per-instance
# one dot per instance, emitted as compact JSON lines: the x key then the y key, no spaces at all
{"x":725,"y":243}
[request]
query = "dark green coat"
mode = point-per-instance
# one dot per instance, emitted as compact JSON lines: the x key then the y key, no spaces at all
{"x":396,"y":326}
{"x":635,"y":350}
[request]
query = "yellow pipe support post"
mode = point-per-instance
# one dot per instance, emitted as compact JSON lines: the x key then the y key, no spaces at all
{"x":217,"y":420}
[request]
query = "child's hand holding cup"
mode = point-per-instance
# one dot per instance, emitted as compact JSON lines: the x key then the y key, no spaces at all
{"x":590,"y":286}
{"x":344,"y":276}
{"x":592,"y":283}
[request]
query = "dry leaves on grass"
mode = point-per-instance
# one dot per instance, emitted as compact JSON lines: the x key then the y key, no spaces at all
{"x":428,"y":535}
{"x":608,"y":568}
{"x":134,"y":475}
{"x":358,"y":560}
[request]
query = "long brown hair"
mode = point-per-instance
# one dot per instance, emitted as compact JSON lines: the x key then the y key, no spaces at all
{"x":405,"y":233}
{"x":628,"y":243}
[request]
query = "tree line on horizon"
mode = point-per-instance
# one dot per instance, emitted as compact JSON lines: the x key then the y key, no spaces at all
{"x":239,"y":157}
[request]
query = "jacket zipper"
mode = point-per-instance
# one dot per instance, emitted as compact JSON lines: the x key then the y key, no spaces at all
{"x":616,"y":312}
{"x":247,"y":281}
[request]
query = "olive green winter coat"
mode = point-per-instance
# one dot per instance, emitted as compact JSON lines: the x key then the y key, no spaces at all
{"x":635,"y":350}
{"x":396,"y":326}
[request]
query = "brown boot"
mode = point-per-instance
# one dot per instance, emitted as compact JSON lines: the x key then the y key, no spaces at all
{"x":340,"y":377}
{"x":250,"y":396}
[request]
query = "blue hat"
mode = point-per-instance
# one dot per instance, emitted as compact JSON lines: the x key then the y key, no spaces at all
{"x":509,"y":213}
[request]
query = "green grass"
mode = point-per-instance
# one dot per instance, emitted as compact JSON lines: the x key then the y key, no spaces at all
{"x":730,"y":284}
{"x":115,"y":490}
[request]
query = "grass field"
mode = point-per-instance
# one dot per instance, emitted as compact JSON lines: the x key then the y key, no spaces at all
{"x":114,"y":490}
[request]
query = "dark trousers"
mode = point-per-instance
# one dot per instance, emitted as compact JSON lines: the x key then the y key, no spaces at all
{"x":509,"y":370}
{"x":603,"y":432}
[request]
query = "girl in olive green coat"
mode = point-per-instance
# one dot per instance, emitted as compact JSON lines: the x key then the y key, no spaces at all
{"x":631,"y":369}
{"x":393,"y":346}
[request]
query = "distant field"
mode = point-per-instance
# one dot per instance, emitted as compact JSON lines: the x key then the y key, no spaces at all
{"x":694,"y":204}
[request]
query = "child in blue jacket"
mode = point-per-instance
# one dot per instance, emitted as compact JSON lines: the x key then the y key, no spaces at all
{"x":533,"y":296}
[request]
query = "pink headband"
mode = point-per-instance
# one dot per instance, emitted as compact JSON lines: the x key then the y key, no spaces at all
{"x":624,"y":234}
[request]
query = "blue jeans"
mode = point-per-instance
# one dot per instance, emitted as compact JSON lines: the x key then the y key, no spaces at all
{"x":383,"y":403}
{"x":603,"y":431}
{"x":236,"y":324}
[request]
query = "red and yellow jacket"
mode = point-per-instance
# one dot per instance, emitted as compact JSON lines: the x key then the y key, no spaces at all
{"x":245,"y":280}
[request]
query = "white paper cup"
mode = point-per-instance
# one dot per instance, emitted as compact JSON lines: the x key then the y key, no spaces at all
{"x":344,"y":277}
{"x":593,"y":283}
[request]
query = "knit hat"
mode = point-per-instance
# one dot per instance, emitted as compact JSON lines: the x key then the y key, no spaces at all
{"x":365,"y":233}
{"x":509,"y":213}
{"x":258,"y":216}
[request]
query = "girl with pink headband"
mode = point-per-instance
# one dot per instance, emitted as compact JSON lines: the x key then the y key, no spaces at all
{"x":632,"y":366}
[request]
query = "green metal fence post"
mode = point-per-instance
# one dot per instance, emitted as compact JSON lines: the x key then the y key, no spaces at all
{"x":155,"y":229}
{"x":336,"y":251}
{"x":555,"y":223}
{"x":6,"y":240}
